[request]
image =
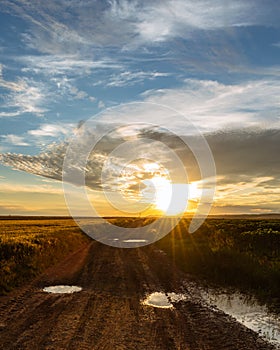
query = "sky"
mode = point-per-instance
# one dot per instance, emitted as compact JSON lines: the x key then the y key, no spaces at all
{"x":63,"y":62}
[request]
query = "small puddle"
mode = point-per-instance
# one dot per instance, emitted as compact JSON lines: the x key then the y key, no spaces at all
{"x":62,"y":289}
{"x":248,"y":311}
{"x":135,"y":241}
{"x":163,"y":300}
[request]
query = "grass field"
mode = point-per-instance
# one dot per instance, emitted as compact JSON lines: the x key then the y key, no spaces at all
{"x":27,"y":247}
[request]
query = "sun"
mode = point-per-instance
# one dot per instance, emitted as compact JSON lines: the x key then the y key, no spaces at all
{"x":169,"y":198}
{"x":163,"y":193}
{"x":152,"y":187}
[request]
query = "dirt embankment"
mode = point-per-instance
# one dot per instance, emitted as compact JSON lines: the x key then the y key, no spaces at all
{"x":108,"y":313}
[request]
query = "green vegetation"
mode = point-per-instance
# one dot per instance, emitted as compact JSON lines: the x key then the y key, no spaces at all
{"x":232,"y":252}
{"x":27,"y":247}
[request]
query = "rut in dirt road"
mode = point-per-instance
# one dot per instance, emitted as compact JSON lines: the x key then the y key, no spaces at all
{"x":108,"y":313}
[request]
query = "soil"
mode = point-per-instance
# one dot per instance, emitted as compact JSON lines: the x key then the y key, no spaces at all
{"x":108,"y":313}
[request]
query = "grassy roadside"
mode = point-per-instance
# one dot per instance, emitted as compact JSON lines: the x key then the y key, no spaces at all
{"x":244,"y":254}
{"x":28,"y":247}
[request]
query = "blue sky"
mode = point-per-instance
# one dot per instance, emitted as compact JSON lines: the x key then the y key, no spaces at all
{"x":215,"y":61}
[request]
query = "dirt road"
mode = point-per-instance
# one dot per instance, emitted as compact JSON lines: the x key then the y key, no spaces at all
{"x":108,"y":314}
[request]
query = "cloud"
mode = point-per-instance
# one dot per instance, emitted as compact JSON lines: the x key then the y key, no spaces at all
{"x":242,"y":152}
{"x":8,"y":209}
{"x":9,"y":114}
{"x":42,"y":165}
{"x":64,"y":87}
{"x":14,"y":140}
{"x":240,"y":122}
{"x":41,"y":136}
{"x":101,"y":104}
{"x":13,"y":86}
{"x":24,"y":96}
{"x":107,"y":37}
{"x":52,"y":130}
{"x":246,"y":161}
{"x":50,"y":163}
{"x":159,"y":21}
{"x":250,"y":191}
{"x":221,"y":209}
{"x":126,"y":23}
{"x":128,"y":78}
{"x":213,"y":106}
{"x":60,"y":73}
{"x":65,"y":64}
{"x":43,"y":189}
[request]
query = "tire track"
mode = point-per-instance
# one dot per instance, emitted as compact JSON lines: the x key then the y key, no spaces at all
{"x":108,"y":314}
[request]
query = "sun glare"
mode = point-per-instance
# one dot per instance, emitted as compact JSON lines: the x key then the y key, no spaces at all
{"x":170,"y":199}
{"x":163,"y":193}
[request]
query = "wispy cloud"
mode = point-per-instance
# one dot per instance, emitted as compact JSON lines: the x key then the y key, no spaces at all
{"x":100,"y":36}
{"x":16,"y":188}
{"x":61,"y":72}
{"x":250,"y":195}
{"x":121,"y":23}
{"x":39,"y":137}
{"x":24,"y":96}
{"x":66,"y":64}
{"x":163,"y":20}
{"x":50,"y":163}
{"x":64,"y":87}
{"x":8,"y":209}
{"x":9,"y":114}
{"x":128,"y":78}
{"x":213,"y":106}
{"x":14,"y":140}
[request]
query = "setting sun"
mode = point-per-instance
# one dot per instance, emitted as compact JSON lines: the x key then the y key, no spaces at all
{"x":163,"y":193}
{"x":170,"y":199}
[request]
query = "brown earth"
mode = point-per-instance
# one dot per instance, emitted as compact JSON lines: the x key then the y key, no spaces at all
{"x":108,"y":314}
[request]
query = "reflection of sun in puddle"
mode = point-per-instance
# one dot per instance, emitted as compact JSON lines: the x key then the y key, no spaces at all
{"x":163,"y":300}
{"x":62,"y":289}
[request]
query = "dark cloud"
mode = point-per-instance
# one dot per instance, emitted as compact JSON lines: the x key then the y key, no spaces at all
{"x":246,"y":153}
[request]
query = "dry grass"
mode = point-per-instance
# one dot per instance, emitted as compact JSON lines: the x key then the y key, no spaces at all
{"x":27,"y":247}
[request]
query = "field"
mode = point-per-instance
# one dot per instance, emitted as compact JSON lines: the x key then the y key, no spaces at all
{"x":108,"y":313}
{"x":28,"y":247}
{"x":241,"y":253}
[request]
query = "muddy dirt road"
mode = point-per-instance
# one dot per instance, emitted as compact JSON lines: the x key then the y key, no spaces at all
{"x":108,"y":314}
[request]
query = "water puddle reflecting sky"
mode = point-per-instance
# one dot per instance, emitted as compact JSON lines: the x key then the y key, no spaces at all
{"x":163,"y":300}
{"x":246,"y":310}
{"x":61,"y":289}
{"x":134,"y":240}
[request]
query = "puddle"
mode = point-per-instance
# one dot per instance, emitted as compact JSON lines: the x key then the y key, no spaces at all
{"x":135,"y":241}
{"x":163,"y":300}
{"x":62,"y":289}
{"x":248,"y":311}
